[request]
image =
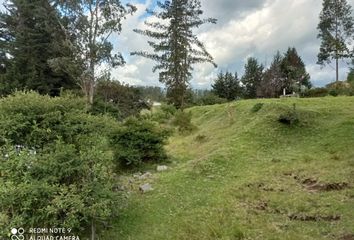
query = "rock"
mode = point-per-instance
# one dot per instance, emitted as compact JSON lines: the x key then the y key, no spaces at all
{"x":145,"y":176}
{"x":146,"y":188}
{"x":137,"y":175}
{"x":161,"y":168}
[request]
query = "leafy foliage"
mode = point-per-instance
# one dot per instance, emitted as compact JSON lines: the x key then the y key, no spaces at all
{"x":257,"y":107}
{"x":30,"y":38}
{"x":252,"y":77}
{"x":340,"y":88}
{"x":183,"y":121}
{"x":289,"y":117}
{"x":118,"y":100}
{"x":336,"y":29}
{"x":208,"y":98}
{"x":294,"y":71}
{"x":138,"y":142}
{"x":316,"y":92}
{"x":227,"y":86}
{"x":155,"y":94}
{"x":88,"y":25}
{"x":62,"y":171}
{"x":162,"y":114}
{"x":272,"y":82}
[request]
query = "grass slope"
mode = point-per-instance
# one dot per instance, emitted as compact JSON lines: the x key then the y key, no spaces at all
{"x":247,"y":176}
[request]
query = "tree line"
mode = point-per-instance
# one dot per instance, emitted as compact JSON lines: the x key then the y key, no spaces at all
{"x":52,"y":45}
{"x":286,"y":71}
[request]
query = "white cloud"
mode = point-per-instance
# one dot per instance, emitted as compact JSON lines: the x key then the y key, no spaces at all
{"x":245,"y":28}
{"x":255,"y":28}
{"x":2,"y":5}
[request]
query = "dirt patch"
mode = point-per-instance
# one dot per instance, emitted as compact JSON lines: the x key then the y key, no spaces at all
{"x":262,"y":205}
{"x":313,"y":185}
{"x":313,"y":218}
{"x":347,"y":237}
{"x":263,"y":187}
{"x":327,"y":186}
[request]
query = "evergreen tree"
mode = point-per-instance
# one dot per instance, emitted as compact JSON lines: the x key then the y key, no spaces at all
{"x":31,"y":37}
{"x":227,"y":86}
{"x":176,"y":47}
{"x":350,"y":77}
{"x":252,"y":77}
{"x":294,"y":71}
{"x":336,"y":28}
{"x":272,"y":83}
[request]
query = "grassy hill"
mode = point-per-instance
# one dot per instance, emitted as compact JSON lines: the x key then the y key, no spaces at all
{"x":244,"y":175}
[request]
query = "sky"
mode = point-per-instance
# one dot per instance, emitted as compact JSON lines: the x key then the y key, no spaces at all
{"x":245,"y":28}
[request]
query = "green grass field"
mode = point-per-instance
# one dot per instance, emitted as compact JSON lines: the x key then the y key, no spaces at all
{"x":244,"y":175}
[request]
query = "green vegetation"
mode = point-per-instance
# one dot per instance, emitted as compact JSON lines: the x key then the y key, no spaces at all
{"x":336,"y":27}
{"x":58,"y":162}
{"x":254,"y":177}
{"x":118,"y":100}
{"x":137,"y":142}
{"x":250,"y":169}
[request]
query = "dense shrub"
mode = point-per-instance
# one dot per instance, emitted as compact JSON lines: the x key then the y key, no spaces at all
{"x":183,"y":121}
{"x":32,"y":120}
{"x":164,"y":113}
{"x":62,"y":175}
{"x":209,"y":99}
{"x":118,"y":100}
{"x":340,"y":88}
{"x":289,"y":117}
{"x":137,"y":142}
{"x":257,"y":107}
{"x":316,"y":92}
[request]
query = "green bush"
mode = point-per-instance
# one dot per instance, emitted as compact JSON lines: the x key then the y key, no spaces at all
{"x":333,"y":92}
{"x":316,"y":92}
{"x":163,"y":114}
{"x":63,"y":174}
{"x":183,"y":121}
{"x":290,"y":117}
{"x":137,"y":142}
{"x":210,"y":99}
{"x":257,"y":107}
{"x":340,"y":88}
{"x":201,"y":138}
{"x":32,"y":120}
{"x":118,"y":100}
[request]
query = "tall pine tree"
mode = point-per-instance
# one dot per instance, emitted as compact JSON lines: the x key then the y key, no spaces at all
{"x":336,"y":28}
{"x":176,"y":48}
{"x":272,"y":83}
{"x":252,"y":77}
{"x":294,"y":71}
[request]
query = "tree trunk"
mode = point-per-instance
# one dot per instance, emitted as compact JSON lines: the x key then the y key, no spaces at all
{"x":336,"y":22}
{"x":93,"y":230}
{"x":91,"y":92}
{"x":337,"y":70}
{"x":91,"y":84}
